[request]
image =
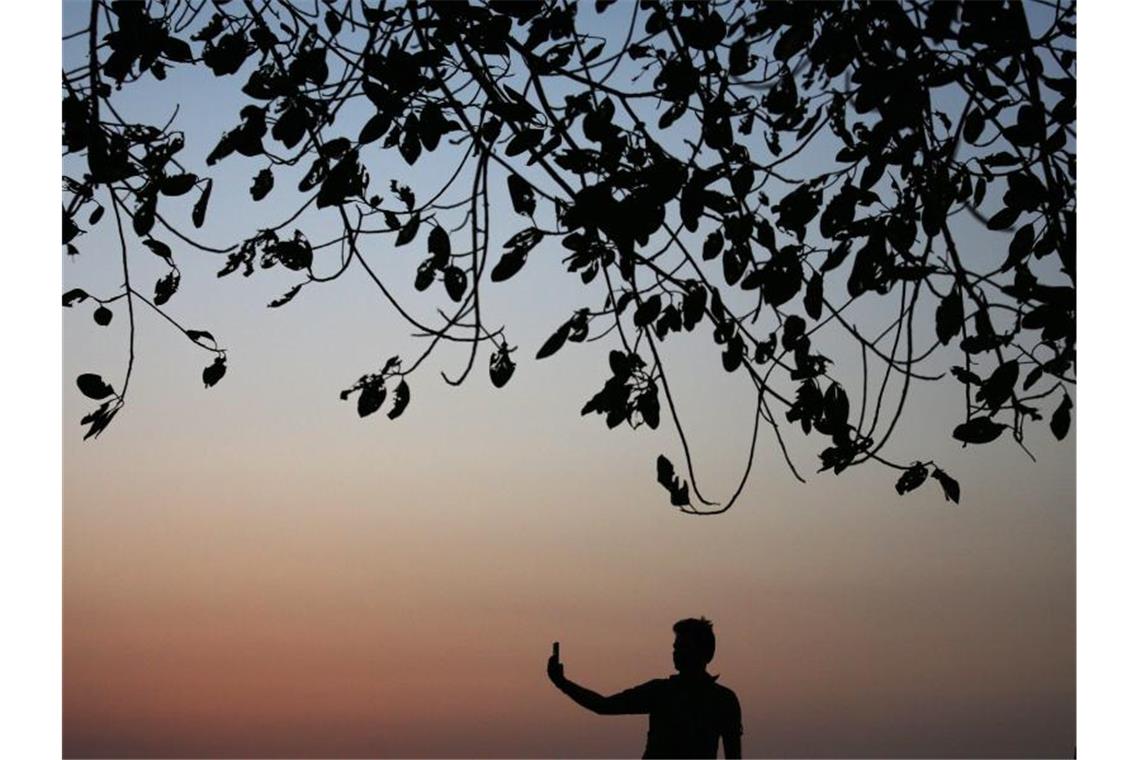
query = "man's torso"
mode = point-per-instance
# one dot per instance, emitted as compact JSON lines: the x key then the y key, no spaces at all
{"x":688,"y":716}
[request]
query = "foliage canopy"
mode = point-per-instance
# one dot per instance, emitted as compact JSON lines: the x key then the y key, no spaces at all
{"x":665,"y":156}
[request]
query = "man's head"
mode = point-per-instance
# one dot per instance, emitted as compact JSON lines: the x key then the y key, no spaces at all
{"x":694,"y":645}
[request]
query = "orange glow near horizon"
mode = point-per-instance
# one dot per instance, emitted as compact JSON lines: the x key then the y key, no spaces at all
{"x":251,"y":617}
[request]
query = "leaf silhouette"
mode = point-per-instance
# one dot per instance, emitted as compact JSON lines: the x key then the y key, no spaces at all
{"x":522,"y":194}
{"x":501,"y":367}
{"x":554,"y":342}
{"x":199,"y":335}
{"x":1004,"y":219}
{"x":70,"y":228}
{"x":375,"y":128}
{"x":950,"y":488}
{"x":286,"y":297}
{"x":93,"y":386}
{"x":1061,"y":420}
{"x":911,"y":479}
{"x":949,"y":316}
{"x":408,"y":232}
{"x":439,"y":244}
{"x":1019,"y":247}
{"x":509,"y":265}
{"x":649,"y":407}
{"x":997,"y":389}
{"x":813,"y":298}
{"x":410,"y":147}
{"x":214,"y":372}
{"x":400,"y":398}
{"x":783,"y":276}
{"x":797,"y":209}
{"x":160,"y":249}
{"x":75,"y":295}
{"x":647,"y":311}
{"x":262,"y":184}
{"x":100,"y":419}
{"x":975,"y":123}
{"x":667,"y":477}
{"x":370,"y":399}
{"x":425,"y":275}
{"x":166,"y":287}
{"x":143,"y":219}
{"x":455,"y":282}
{"x":199,"y":214}
{"x":714,"y":244}
{"x":178,"y":184}
{"x":978,"y":430}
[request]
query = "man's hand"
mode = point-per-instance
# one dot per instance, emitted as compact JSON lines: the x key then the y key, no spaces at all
{"x":554,"y":668}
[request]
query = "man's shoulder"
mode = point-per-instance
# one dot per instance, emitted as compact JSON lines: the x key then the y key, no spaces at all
{"x":728,"y":709}
{"x":711,"y":683}
{"x":724,"y":692}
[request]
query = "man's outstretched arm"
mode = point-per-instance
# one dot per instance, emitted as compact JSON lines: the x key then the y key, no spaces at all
{"x":630,"y":701}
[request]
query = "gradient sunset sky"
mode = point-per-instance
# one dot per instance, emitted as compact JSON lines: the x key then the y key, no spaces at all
{"x":251,"y":570}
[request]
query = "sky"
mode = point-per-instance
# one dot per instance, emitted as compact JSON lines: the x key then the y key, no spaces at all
{"x":251,"y":570}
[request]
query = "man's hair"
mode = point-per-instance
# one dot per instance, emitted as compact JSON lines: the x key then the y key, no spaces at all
{"x":700,"y":632}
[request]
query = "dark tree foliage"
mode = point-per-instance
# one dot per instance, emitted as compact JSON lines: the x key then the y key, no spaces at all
{"x":659,"y":159}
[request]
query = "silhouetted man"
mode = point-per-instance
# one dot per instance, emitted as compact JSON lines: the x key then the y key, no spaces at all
{"x":688,"y":712}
